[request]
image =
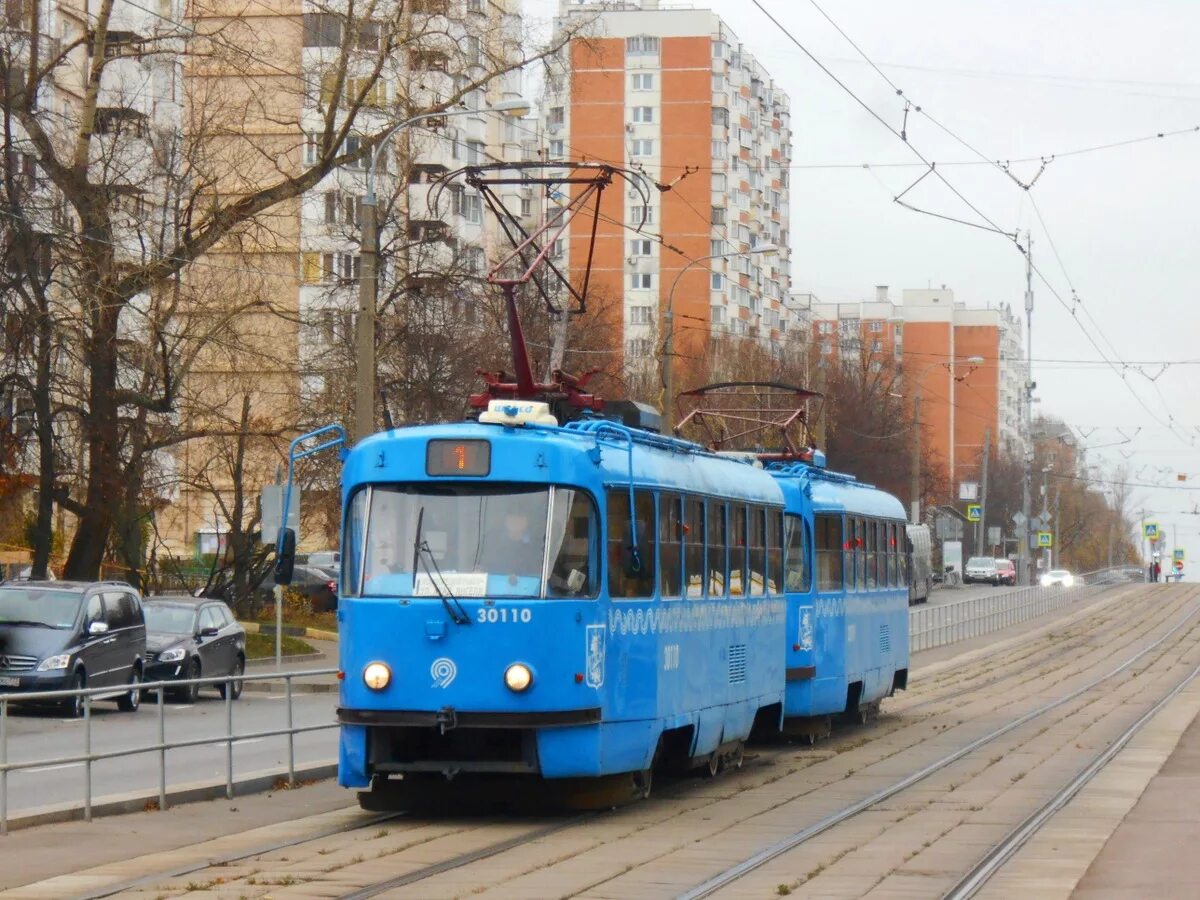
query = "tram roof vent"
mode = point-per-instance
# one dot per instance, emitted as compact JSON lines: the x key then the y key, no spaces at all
{"x":633,"y":414}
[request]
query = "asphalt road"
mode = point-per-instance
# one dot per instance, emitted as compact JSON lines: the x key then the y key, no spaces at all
{"x":967,"y":592}
{"x":43,"y":735}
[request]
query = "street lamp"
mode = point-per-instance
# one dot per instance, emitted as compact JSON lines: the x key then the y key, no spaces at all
{"x":368,"y":286}
{"x":915,"y":487}
{"x":668,"y":351}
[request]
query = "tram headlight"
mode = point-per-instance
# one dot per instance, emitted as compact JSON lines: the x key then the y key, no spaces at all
{"x":377,"y":676}
{"x":518,"y":677}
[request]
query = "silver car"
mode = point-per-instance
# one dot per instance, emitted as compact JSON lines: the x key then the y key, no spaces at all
{"x":981,"y":568}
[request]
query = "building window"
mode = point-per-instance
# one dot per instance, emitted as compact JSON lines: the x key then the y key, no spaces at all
{"x":526,"y":207}
{"x":643,"y":81}
{"x":718,"y":149}
{"x":558,"y":249}
{"x":824,"y":327}
{"x":558,"y":115}
{"x":876,"y":366}
{"x":718,"y":83}
{"x":641,"y":215}
{"x":826,"y":348}
{"x":473,"y":209}
{"x":640,"y":247}
{"x":310,"y":268}
{"x":643,"y":114}
{"x":641,"y":147}
{"x":557,"y":149}
{"x":475,"y":153}
{"x":639,"y":315}
{"x":718,"y":315}
{"x":474,"y":51}
{"x":720,"y":116}
{"x":718,"y":281}
{"x":875,"y":326}
{"x":641,"y":45}
{"x":310,"y":149}
{"x":876,"y":346}
{"x":638,"y":348}
{"x":322,"y":30}
{"x":641,"y":281}
{"x":718,"y":215}
{"x":719,"y":49}
{"x":716,"y":247}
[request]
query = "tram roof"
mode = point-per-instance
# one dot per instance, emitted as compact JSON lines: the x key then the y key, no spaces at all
{"x":549,"y":454}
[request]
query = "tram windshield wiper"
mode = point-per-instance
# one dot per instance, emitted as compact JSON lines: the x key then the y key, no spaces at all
{"x":423,"y":555}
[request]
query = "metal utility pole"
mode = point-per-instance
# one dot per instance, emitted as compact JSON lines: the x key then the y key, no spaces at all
{"x":915,"y":487}
{"x":1056,"y":548}
{"x":1025,"y":561}
{"x":364,"y":331}
{"x":981,"y":525}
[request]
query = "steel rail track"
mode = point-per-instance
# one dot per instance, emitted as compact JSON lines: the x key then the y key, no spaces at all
{"x":979,"y":875}
{"x":732,"y":874}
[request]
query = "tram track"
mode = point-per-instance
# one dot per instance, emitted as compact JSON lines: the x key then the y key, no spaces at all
{"x":565,"y":843}
{"x":791,"y":842}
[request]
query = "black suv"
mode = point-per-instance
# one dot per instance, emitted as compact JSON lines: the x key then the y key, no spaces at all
{"x":64,"y":635}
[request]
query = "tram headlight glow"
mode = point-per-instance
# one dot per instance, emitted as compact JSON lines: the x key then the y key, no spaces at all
{"x":377,"y":676}
{"x":518,"y":677}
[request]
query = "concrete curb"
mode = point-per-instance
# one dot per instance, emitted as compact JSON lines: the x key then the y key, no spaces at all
{"x":298,"y":658}
{"x":142,"y":801}
{"x":291,"y":630}
{"x":298,"y":687}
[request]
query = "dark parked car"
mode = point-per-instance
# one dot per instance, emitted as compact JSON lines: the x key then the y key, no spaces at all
{"x":68,"y":635}
{"x":318,"y":584}
{"x":193,"y":637}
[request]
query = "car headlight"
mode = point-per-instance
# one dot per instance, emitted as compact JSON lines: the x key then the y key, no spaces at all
{"x":377,"y":676}
{"x":518,"y":677}
{"x":1068,"y":580}
{"x":175,"y":654}
{"x":50,"y":663}
{"x":1046,"y":581}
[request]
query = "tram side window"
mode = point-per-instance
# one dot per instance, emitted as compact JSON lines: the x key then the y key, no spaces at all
{"x":904,"y":552}
{"x":774,"y":551}
{"x":796,"y":537}
{"x":860,"y":553}
{"x":670,"y":545}
{"x":737,"y":550}
{"x":829,"y":552}
{"x":757,"y":542}
{"x":693,"y":547}
{"x":572,"y":542}
{"x":893,"y":576}
{"x":625,"y":580}
{"x":872,"y":542}
{"x":717,"y":549}
{"x":352,"y":544}
{"x":849,"y":553}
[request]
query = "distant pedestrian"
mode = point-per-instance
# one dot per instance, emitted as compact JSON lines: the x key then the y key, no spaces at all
{"x":1157,"y":570}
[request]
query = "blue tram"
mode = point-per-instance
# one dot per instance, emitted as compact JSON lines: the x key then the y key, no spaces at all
{"x":847,"y":619}
{"x":522,"y":598}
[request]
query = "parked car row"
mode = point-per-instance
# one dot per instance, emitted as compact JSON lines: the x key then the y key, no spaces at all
{"x":984,"y":569}
{"x":68,"y":635}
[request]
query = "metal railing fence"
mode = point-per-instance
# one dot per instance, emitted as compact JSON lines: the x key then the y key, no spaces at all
{"x":160,"y":689}
{"x":947,"y":623}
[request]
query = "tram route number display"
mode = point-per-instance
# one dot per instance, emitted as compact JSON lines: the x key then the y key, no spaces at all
{"x":466,"y":458}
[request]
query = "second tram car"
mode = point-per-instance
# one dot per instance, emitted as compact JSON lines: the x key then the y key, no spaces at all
{"x":524,"y":599}
{"x":847,"y":628}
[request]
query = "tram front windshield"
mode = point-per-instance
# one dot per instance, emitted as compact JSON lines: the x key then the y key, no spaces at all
{"x":469,"y":540}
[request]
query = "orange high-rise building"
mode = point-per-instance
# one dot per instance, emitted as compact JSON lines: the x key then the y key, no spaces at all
{"x":932,"y":339}
{"x":673,"y":94}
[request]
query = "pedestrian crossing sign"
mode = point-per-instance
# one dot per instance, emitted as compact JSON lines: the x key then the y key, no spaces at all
{"x":1150,"y":531}
{"x":1045,"y":539}
{"x":974,"y":512}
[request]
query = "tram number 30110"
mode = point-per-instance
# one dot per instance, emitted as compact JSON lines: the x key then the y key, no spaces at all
{"x":503,"y":614}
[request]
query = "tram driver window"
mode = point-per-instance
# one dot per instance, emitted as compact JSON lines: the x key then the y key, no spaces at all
{"x":630,"y":575}
{"x":572,"y":536}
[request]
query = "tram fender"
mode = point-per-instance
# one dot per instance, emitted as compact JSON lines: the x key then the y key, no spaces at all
{"x":352,"y":757}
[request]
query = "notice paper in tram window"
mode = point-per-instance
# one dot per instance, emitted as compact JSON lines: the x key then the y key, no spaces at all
{"x":460,"y":584}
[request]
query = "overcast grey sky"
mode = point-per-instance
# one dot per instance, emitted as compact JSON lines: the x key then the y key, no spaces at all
{"x":1015,"y":79}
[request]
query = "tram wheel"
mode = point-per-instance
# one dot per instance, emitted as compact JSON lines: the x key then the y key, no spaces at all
{"x":713,"y":766}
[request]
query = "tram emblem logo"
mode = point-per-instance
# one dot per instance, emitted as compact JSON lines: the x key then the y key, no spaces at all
{"x":443,"y":671}
{"x":804,"y":634}
{"x":595,"y":655}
